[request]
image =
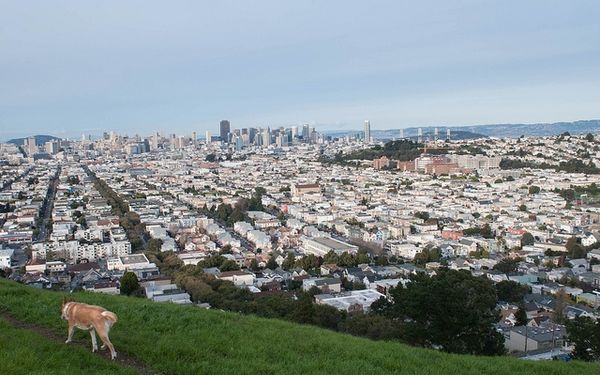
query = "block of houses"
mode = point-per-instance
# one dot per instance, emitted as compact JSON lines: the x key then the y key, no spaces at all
{"x":325,"y":284}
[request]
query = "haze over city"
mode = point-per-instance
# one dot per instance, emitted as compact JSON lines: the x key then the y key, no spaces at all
{"x":136,"y":67}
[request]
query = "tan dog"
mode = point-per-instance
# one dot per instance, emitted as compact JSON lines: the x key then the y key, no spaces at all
{"x":89,"y":318}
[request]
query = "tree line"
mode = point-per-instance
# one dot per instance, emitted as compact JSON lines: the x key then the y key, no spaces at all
{"x":129,"y":220}
{"x":452,"y":311}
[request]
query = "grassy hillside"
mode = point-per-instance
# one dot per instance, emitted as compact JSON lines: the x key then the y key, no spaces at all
{"x":185,"y":340}
{"x":24,"y":352}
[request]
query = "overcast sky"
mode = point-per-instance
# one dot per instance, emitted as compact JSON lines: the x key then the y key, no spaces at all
{"x":72,"y":67}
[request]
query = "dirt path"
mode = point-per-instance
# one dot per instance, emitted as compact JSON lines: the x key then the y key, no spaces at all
{"x":122,"y":358}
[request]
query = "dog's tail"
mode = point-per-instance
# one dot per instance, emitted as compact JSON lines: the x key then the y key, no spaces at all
{"x":111,"y":317}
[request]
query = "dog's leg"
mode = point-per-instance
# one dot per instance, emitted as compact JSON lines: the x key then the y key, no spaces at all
{"x":94,"y":343}
{"x":106,"y":341}
{"x":71,"y":330}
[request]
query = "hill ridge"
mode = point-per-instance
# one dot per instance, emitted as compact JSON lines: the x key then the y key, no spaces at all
{"x":178,"y":339}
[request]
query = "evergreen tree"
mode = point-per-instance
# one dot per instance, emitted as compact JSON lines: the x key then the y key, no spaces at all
{"x":521,"y":316}
{"x":129,"y":283}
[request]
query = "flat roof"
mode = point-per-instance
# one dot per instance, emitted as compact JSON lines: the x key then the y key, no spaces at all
{"x":332,"y":243}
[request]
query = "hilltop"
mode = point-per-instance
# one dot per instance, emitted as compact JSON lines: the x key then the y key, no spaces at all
{"x":173,"y":339}
{"x":483,"y":131}
{"x":39,"y":140}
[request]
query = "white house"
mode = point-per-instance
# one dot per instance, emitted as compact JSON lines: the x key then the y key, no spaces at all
{"x":238,"y":278}
{"x":6,"y":258}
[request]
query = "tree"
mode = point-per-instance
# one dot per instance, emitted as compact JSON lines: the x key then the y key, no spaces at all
{"x":589,"y":137}
{"x":289,"y":261}
{"x":225,"y":250}
{"x":423,"y":215}
{"x":362,"y":257}
{"x":486,"y":231}
{"x":211,"y":158}
{"x":154,"y":245}
{"x":506,"y":265}
{"x":308,"y":262}
{"x":272,"y":263}
{"x":527,"y":239}
{"x":574,"y":249}
{"x":521,"y":316}
{"x":229,"y":265}
{"x":129,"y":283}
{"x":428,"y":255}
{"x":331,"y":258}
{"x":584,"y":334}
{"x":375,"y":327}
{"x":510,"y":291}
{"x":561,"y":302}
{"x":534,"y":189}
{"x":452,"y":310}
{"x":522,"y":208}
{"x":254,"y":265}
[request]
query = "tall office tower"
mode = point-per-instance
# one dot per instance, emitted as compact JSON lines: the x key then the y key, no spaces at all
{"x":420,"y":135}
{"x":252,"y":135}
{"x":282,"y":140}
{"x":313,"y":135}
{"x":207,"y":137}
{"x":51,"y":147}
{"x":105,"y":136}
{"x":305,"y":132}
{"x":435,"y":134}
{"x":194,"y":139}
{"x":244,"y":131}
{"x":448,"y":134}
{"x":401,"y":133}
{"x":294,"y":132}
{"x":367,"y":132}
{"x":154,"y":144}
{"x":31,"y":146}
{"x":180,"y":142}
{"x":266,"y":137}
{"x":225,"y":128}
{"x":237,"y":141}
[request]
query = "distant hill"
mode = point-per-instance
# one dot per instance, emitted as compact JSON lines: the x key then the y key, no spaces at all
{"x":542,"y":129}
{"x":39,"y":140}
{"x":164,"y":338}
{"x":483,"y":131}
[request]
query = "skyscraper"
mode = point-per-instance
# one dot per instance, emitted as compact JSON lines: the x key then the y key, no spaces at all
{"x":207,"y":137}
{"x":305,"y":132}
{"x":31,"y":146}
{"x":266,"y":137}
{"x":225,"y":128}
{"x":367,"y":132}
{"x":252,"y":135}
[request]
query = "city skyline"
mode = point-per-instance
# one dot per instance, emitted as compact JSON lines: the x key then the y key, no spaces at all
{"x":176,"y":68}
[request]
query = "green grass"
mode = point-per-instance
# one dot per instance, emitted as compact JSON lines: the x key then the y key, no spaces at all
{"x":186,"y":340}
{"x":24,"y":352}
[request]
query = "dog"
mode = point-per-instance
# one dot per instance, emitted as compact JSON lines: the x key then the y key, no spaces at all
{"x":89,"y":318}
